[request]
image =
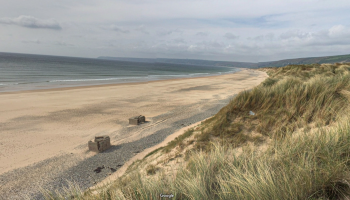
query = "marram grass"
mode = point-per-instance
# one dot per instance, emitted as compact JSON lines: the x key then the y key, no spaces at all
{"x":306,"y":166}
{"x":283,"y":102}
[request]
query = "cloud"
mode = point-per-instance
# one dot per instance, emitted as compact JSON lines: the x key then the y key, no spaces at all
{"x":169,"y":32}
{"x":119,"y":29}
{"x":142,"y":29}
{"x":337,"y":30}
{"x":295,"y":34}
{"x":269,"y":36}
{"x":202,"y":34}
{"x":58,"y":43}
{"x":32,"y":22}
{"x":229,"y":28}
{"x":63,"y":44}
{"x":32,"y":41}
{"x":216,"y":45}
{"x":179,"y":40}
{"x":230,"y":36}
{"x":265,"y":21}
{"x":165,"y":33}
{"x":336,"y":35}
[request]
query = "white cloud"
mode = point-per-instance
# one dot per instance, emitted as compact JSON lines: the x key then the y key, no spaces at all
{"x":336,"y":35}
{"x":295,"y":34}
{"x":32,"y":22}
{"x":337,"y":30}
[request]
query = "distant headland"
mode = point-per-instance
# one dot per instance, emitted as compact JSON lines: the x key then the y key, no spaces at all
{"x":279,"y":63}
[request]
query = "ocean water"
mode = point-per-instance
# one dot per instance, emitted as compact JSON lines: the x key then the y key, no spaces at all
{"x":20,"y":72}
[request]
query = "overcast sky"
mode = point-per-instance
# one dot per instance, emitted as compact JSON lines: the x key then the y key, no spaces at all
{"x":233,"y":30}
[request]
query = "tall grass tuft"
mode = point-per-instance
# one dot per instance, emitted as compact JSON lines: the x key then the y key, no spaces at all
{"x":301,"y":167}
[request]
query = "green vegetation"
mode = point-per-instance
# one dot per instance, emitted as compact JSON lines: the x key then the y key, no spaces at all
{"x":335,"y":58}
{"x":277,"y":153}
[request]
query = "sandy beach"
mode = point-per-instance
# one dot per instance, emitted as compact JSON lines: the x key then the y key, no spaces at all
{"x":44,"y":133}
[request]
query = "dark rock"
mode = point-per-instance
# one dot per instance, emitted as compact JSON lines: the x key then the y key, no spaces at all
{"x":98,"y":169}
{"x":113,"y":170}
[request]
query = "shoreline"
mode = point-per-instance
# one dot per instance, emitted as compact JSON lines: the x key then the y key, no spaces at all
{"x":63,"y":121}
{"x":114,"y":84}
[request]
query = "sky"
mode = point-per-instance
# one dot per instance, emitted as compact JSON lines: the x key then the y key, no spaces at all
{"x":227,"y":30}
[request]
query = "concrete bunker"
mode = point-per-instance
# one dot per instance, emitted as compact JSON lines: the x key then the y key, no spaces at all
{"x":100,"y":144}
{"x":137,"y":120}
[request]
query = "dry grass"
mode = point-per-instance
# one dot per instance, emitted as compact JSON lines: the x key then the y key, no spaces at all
{"x":151,"y":169}
{"x":298,"y":95}
{"x":316,"y":166}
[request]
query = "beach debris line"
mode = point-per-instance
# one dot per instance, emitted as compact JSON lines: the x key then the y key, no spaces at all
{"x":100,"y":144}
{"x":137,"y":120}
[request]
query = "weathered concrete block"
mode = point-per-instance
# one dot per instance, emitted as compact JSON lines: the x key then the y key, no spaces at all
{"x":100,"y":144}
{"x":133,"y":121}
{"x":93,"y":146}
{"x":137,"y":120}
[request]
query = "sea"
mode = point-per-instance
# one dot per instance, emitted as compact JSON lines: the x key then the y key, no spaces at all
{"x":20,"y":72}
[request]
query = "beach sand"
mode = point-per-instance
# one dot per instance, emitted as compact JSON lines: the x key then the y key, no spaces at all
{"x":57,"y":123}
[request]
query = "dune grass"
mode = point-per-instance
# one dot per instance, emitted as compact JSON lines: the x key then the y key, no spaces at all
{"x":316,"y":166}
{"x":299,"y":95}
{"x":295,"y":165}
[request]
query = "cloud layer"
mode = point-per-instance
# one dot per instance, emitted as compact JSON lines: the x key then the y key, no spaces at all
{"x":200,"y":29}
{"x":32,"y":22}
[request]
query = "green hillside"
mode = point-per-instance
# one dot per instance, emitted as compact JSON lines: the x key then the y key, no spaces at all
{"x":280,"y":63}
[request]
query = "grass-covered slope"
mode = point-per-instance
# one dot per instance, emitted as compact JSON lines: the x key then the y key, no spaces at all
{"x":292,"y":97}
{"x":295,"y":146}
